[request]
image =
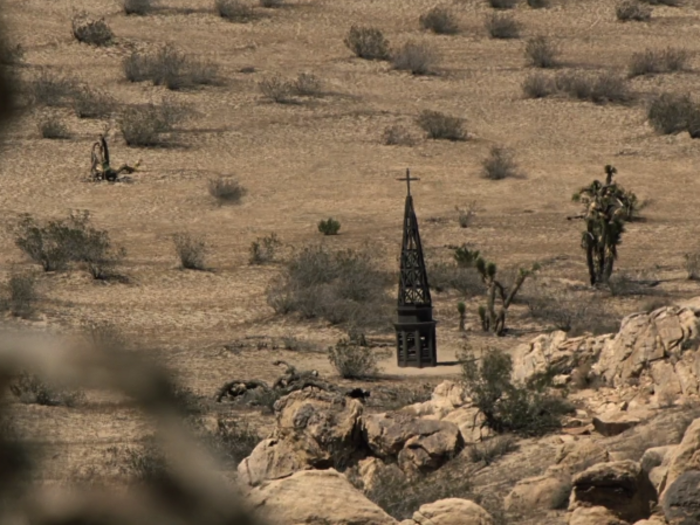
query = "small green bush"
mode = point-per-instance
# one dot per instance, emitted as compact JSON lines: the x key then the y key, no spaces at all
{"x":170,"y":68}
{"x":235,"y":11}
{"x":418,"y":58}
{"x":538,"y":85}
{"x":669,"y":113}
{"x":440,"y":20}
{"x":352,"y":361}
{"x":368,"y":43}
{"x":600,"y":88}
{"x":190,"y":251}
{"x":329,"y":226}
{"x":527,"y":410}
{"x":442,"y":127}
{"x":144,"y":125}
{"x":502,"y":26}
{"x":631,"y":10}
{"x":93,"y":32}
{"x":541,"y":52}
{"x":264,"y":249}
{"x":137,"y":7}
{"x":650,"y":62}
{"x":51,"y":127}
{"x":226,"y":190}
{"x":499,"y":164}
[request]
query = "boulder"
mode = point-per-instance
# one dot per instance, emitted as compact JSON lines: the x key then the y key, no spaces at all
{"x":577,"y":456}
{"x":423,"y":444}
{"x":655,"y":462}
{"x":451,"y":511}
{"x":686,"y":456}
{"x":612,"y":424}
{"x":541,"y":493}
{"x":620,"y":486}
{"x":272,"y":459}
{"x":594,"y":516}
{"x":469,"y":420}
{"x":681,"y":501}
{"x":316,"y":496}
{"x":373,"y":471}
{"x":447,"y":396}
{"x":654,"y":520}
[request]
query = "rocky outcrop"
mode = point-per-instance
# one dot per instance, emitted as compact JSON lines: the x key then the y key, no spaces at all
{"x":577,"y":456}
{"x":622,"y":487}
{"x":686,"y":456}
{"x":655,"y":462}
{"x":681,"y":502}
{"x":538,"y":493}
{"x":451,"y":511}
{"x":417,"y":443}
{"x":594,"y":516}
{"x":316,"y":496}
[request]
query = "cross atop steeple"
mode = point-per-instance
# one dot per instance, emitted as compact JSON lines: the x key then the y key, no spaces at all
{"x":408,"y":180}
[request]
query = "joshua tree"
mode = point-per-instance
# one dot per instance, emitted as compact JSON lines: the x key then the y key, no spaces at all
{"x":606,"y":209}
{"x":492,"y":319}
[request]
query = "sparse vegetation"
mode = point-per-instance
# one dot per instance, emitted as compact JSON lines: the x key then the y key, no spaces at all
{"x":464,"y":279}
{"x":91,"y":103}
{"x":526,"y":410}
{"x":352,"y":360}
{"x":502,"y":26}
{"x":329,"y":226}
{"x":190,"y":251}
{"x":600,"y":88}
{"x":307,"y":85}
{"x":606,"y":208}
{"x":692,"y":265}
{"x":30,"y":389}
{"x":277,"y":89}
{"x":538,"y":4}
{"x":499,"y":165}
{"x":137,"y":7}
{"x":89,"y":31}
{"x":271,"y":4}
{"x":502,"y":4}
{"x":50,"y":89}
{"x":144,"y":125}
{"x":397,"y":135}
{"x":368,"y":43}
{"x":342,"y":287}
{"x":465,"y":217}
{"x":226,"y":190}
{"x":51,"y":127}
{"x":650,"y":62}
{"x":235,"y":11}
{"x":440,"y":126}
{"x":541,"y":52}
{"x":416,"y":57}
{"x":538,"y":85}
{"x":632,"y":11}
{"x":440,"y":20}
{"x":232,"y":441}
{"x":263,"y":249}
{"x":22,"y":295}
{"x":670,"y":113}
{"x":492,"y":449}
{"x":170,"y":68}
{"x":462,"y":310}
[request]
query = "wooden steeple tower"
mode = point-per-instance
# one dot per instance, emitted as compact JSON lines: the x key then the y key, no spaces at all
{"x":415,"y":327}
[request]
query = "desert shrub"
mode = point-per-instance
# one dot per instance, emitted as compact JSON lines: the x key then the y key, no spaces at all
{"x":30,"y":389}
{"x":631,"y":10}
{"x":144,"y":125}
{"x":93,"y":32}
{"x":271,"y":4}
{"x":91,"y":103}
{"x":352,"y":361}
{"x":465,"y":216}
{"x":232,"y":441}
{"x":541,"y":52}
{"x":235,"y":11}
{"x":440,"y":20}
{"x":418,"y":58}
{"x":538,"y":4}
{"x":692,"y":265}
{"x":502,"y":4}
{"x":559,"y":310}
{"x":22,"y":295}
{"x":397,"y":135}
{"x":294,"y":344}
{"x":509,"y":408}
{"x":449,"y":276}
{"x":440,"y":126}
{"x":668,"y":113}
{"x":538,"y":85}
{"x":368,"y":43}
{"x":145,"y":464}
{"x":329,"y":226}
{"x":226,"y":190}
{"x":499,"y":165}
{"x":190,"y":251}
{"x":600,"y":88}
{"x":137,"y":7}
{"x":51,"y":127}
{"x":344,"y":286}
{"x":170,"y":68}
{"x":307,"y":85}
{"x":492,"y":449}
{"x":264,"y":249}
{"x":651,"y":62}
{"x":502,"y":26}
{"x":277,"y":89}
{"x":55,"y":244}
{"x":50,"y":89}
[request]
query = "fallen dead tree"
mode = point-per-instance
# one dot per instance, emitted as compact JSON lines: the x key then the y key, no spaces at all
{"x":290,"y":381}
